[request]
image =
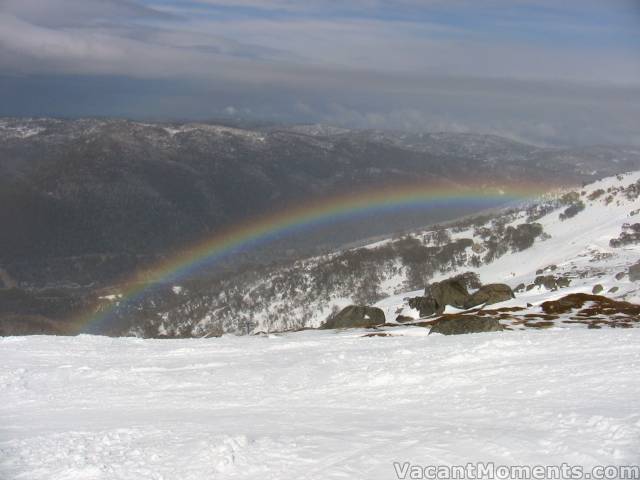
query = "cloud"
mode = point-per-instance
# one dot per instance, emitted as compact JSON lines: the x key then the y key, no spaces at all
{"x":123,"y":37}
{"x":72,"y":12}
{"x":539,"y":69}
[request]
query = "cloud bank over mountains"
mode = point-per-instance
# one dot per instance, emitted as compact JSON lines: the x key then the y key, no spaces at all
{"x":543,"y":71}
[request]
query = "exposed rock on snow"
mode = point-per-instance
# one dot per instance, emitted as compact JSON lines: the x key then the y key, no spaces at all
{"x":452,"y":292}
{"x":490,"y":294}
{"x":355,"y":316}
{"x":426,"y":306}
{"x":461,"y":324}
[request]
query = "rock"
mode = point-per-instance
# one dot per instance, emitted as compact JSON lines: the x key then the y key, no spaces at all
{"x":540,"y":271}
{"x":438,"y":295}
{"x":613,"y":290}
{"x":355,"y":316}
{"x":620,"y":275}
{"x":427,"y":306}
{"x":547,"y":281}
{"x":461,"y":324}
{"x":490,"y":294}
{"x":448,"y":292}
{"x":404,"y":319}
{"x":530,"y":287}
{"x":563,"y":282}
{"x":591,"y":307}
{"x":634,"y":272}
{"x":519,"y":288}
{"x":597,"y":289}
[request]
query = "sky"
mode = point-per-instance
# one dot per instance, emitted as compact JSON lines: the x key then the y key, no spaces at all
{"x":548,"y":72}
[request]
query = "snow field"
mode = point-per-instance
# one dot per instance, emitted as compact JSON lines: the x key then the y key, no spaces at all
{"x":315,"y":404}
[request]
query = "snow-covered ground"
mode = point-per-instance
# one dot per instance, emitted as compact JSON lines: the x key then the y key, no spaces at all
{"x":315,"y":404}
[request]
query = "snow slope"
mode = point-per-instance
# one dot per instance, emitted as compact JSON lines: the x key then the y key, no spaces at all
{"x":577,"y":248}
{"x":314,"y":405}
{"x":578,"y":243}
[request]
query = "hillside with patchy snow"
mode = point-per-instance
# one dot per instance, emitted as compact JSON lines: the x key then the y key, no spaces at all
{"x":592,"y":252}
{"x":570,"y":235}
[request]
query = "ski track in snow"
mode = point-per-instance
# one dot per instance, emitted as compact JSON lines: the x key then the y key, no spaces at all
{"x":315,"y":405}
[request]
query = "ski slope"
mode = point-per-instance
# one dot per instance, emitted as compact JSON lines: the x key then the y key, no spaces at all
{"x":315,"y":404}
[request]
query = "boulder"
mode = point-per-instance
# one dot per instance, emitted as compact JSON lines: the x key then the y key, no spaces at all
{"x":597,"y":289}
{"x":461,"y":324}
{"x":547,"y":281}
{"x":448,"y":292}
{"x":427,"y":306}
{"x":620,"y":275}
{"x":519,"y":288}
{"x":404,"y":319}
{"x":563,"y":282}
{"x":356,"y":316}
{"x":634,"y":272}
{"x":489,"y":294}
{"x":613,"y":290}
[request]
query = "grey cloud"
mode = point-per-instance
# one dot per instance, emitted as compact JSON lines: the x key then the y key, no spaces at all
{"x":60,"y":13}
{"x":205,"y":48}
{"x":365,"y":73}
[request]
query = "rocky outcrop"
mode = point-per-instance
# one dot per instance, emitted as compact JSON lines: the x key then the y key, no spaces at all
{"x":438,"y":295}
{"x":453,"y":291}
{"x":595,"y":311}
{"x":547,"y":281}
{"x":356,"y":316}
{"x":490,"y":294}
{"x":551,"y":282}
{"x":448,"y":292}
{"x":461,"y":324}
{"x":427,"y":306}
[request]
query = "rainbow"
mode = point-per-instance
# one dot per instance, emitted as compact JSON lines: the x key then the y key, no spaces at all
{"x":281,"y":223}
